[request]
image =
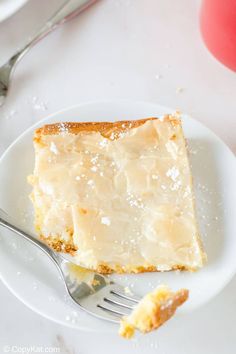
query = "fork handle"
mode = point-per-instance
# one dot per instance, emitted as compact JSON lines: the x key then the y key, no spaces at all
{"x":67,"y":11}
{"x":56,"y":258}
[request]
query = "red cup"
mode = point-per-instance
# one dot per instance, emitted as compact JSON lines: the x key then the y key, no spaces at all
{"x":218,"y":27}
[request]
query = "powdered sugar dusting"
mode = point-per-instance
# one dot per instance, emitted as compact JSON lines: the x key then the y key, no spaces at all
{"x":173,"y":173}
{"x":53,"y":148}
{"x":103,"y":143}
{"x":94,"y":168}
{"x":155,"y":176}
{"x":91,"y":183}
{"x":63,"y":128}
{"x":11,"y":114}
{"x":176,"y":186}
{"x":37,"y":104}
{"x":134,"y":201}
{"x":94,"y":159}
{"x":105,"y":221}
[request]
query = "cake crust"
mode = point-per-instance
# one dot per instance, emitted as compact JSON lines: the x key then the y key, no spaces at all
{"x":106,"y":129}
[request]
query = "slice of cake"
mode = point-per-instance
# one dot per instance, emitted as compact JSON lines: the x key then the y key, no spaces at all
{"x":118,"y":196}
{"x":152,"y":311}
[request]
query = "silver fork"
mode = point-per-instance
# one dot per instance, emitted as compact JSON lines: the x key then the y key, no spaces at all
{"x":98,"y":295}
{"x":67,"y":11}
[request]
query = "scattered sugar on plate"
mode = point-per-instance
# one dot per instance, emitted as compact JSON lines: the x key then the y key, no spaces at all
{"x":75,"y":314}
{"x":158,"y":76}
{"x":37,"y":104}
{"x":10,"y":114}
{"x":14,"y":245}
{"x":31,"y":259}
{"x":179,"y":90}
{"x":51,"y":298}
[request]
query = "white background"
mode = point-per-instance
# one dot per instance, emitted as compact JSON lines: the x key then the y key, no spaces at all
{"x":137,"y":49}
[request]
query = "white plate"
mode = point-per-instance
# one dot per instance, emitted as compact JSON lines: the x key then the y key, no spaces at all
{"x":9,"y":7}
{"x":35,"y":281}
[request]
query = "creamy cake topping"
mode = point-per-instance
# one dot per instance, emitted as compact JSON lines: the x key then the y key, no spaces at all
{"x":126,"y":200}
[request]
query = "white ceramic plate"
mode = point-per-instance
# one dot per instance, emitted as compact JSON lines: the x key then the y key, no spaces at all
{"x":35,"y":281}
{"x":9,"y":7}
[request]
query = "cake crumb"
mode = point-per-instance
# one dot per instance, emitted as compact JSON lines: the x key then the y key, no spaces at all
{"x":154,"y":309}
{"x":95,"y":282}
{"x":128,"y":291}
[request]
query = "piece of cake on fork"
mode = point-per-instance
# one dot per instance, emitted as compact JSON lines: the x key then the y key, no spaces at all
{"x":154,"y":309}
{"x":117,"y":196}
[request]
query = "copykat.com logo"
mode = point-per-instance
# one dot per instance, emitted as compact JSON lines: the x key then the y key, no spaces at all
{"x":30,"y":349}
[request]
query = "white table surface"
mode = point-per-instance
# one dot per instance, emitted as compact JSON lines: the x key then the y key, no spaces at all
{"x":137,"y":49}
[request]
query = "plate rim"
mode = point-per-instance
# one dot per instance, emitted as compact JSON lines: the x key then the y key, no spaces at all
{"x":14,"y":10}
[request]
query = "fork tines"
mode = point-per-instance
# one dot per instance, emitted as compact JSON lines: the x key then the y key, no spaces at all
{"x":118,"y":302}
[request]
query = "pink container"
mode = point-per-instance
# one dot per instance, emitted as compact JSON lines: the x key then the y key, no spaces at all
{"x":218,"y":27}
